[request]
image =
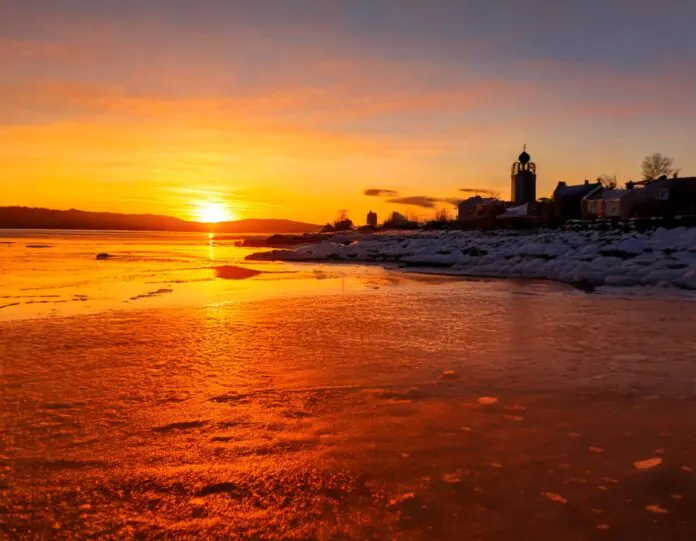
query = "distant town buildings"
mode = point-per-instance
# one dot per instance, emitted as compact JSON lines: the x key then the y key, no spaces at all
{"x":523,"y":179}
{"x":663,"y":197}
{"x":372,"y":219}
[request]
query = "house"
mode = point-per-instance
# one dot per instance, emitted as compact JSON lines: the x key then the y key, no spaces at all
{"x":567,"y":200}
{"x":466,"y":210}
{"x":662,"y":197}
{"x":524,"y":216}
{"x":479,"y":208}
{"x":604,"y":203}
{"x":682,"y":196}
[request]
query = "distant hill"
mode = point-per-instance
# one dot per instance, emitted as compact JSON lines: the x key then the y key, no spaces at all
{"x":40,"y":218}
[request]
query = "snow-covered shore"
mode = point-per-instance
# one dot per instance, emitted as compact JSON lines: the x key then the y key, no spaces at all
{"x":663,"y":257}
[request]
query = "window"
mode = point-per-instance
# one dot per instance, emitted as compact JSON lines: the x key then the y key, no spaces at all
{"x":663,"y":195}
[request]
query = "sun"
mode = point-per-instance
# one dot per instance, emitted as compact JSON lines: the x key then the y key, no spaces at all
{"x":210,"y":212}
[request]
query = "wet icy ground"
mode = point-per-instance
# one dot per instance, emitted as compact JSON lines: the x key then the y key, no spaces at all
{"x":56,"y":273}
{"x":459,"y":411}
{"x":663,"y":257}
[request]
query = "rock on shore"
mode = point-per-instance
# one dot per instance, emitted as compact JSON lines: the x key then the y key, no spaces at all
{"x":663,"y":257}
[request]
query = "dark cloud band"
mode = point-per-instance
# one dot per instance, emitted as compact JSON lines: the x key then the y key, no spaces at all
{"x":379,"y":192}
{"x":416,"y":201}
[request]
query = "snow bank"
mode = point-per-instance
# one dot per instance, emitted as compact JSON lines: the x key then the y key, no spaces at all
{"x":657,"y":258}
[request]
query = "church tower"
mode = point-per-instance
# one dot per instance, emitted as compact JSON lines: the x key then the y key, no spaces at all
{"x":523,"y":179}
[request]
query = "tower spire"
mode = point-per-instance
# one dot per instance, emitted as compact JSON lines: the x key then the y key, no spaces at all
{"x":524,"y":156}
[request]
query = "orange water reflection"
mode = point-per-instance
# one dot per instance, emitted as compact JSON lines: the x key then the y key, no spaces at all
{"x":300,"y":414}
{"x":57,"y":274}
{"x":349,"y":416}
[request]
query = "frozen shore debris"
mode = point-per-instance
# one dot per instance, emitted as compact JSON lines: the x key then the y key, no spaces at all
{"x":662,"y":258}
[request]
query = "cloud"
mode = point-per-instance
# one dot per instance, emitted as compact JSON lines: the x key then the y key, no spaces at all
{"x":451,"y":200}
{"x":379,"y":192}
{"x":423,"y":201}
{"x":416,"y":201}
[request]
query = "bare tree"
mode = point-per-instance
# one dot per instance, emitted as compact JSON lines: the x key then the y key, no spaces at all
{"x":608,"y":181}
{"x":411,"y":216}
{"x":343,"y":222}
{"x":657,"y":165}
{"x":442,"y":215}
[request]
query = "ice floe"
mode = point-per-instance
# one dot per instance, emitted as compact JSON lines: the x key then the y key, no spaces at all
{"x":648,"y":463}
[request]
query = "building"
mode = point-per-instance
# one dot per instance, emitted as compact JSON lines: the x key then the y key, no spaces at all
{"x":523,"y":180}
{"x":477,"y":207}
{"x":667,"y":197}
{"x":567,"y":200}
{"x":474,"y":207}
{"x":605,"y":203}
{"x":520,"y":211}
{"x":527,"y":216}
{"x":466,"y":210}
{"x":372,"y":219}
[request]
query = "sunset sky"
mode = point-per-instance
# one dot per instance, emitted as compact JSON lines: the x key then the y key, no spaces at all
{"x":293,"y":108}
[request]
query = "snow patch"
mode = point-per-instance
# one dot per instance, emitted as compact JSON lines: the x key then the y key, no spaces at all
{"x":662,"y":258}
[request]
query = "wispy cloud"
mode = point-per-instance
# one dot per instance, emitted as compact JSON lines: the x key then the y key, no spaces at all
{"x":451,"y":200}
{"x":379,"y":192}
{"x":423,"y":201}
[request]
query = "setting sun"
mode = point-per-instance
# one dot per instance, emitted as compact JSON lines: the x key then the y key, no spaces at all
{"x":214,"y":212}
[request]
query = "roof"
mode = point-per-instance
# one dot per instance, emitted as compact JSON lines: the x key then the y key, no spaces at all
{"x":607,"y":194}
{"x":516,"y":212}
{"x":678,"y":180}
{"x":578,"y":191}
{"x":473,"y":202}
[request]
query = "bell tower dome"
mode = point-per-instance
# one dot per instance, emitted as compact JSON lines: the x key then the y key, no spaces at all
{"x":523,"y":187}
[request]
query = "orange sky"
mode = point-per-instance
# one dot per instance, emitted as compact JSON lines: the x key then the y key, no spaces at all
{"x":277,"y":112}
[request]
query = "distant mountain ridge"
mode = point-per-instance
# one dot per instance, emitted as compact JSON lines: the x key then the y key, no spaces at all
{"x":41,"y":218}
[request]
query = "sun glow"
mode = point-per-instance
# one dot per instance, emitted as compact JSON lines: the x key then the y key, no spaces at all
{"x":209,"y":212}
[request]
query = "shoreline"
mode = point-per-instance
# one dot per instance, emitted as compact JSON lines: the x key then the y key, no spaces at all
{"x":587,"y":260}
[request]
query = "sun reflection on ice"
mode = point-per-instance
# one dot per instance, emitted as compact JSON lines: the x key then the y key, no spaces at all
{"x":211,"y":246}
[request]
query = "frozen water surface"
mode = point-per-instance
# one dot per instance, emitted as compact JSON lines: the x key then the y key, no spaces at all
{"x":359,"y":405}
